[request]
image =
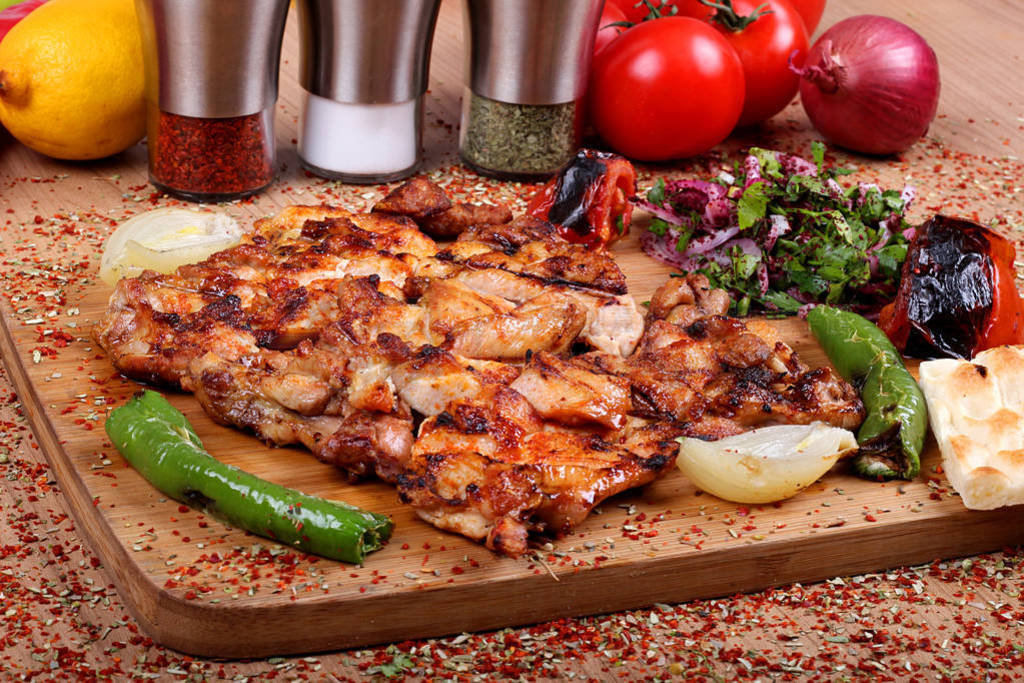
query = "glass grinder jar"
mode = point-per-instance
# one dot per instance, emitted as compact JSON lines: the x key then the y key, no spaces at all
{"x":211,"y":80}
{"x":364,"y":74}
{"x":527,"y":68}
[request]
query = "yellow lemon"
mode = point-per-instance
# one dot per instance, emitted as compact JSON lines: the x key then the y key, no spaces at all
{"x":72,"y":84}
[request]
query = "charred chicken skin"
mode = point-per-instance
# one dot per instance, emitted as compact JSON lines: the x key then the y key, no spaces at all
{"x":505,"y":382}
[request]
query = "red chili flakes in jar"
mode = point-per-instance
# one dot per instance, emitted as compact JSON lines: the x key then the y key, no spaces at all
{"x":212,"y":159}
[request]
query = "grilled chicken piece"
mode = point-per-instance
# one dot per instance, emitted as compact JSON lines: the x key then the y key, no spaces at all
{"x":492,"y":470}
{"x":552,"y":262}
{"x":232,"y":394}
{"x":550,"y":322}
{"x":153,"y":332}
{"x":274,"y":290}
{"x":154,"y":326}
{"x":366,"y":312}
{"x":433,"y":378}
{"x":462,"y":216}
{"x":450,"y":302}
{"x":684,"y":300}
{"x":509,"y":236}
{"x":613,"y":323}
{"x":285,"y":227}
{"x":572,"y":394}
{"x":305,"y":400}
{"x":428,"y":204}
{"x":715,"y":378}
{"x":417,"y":198}
{"x":305,"y":244}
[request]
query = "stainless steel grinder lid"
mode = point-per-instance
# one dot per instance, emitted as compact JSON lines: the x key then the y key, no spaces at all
{"x":530,"y":51}
{"x":366,"y":51}
{"x":212,"y":58}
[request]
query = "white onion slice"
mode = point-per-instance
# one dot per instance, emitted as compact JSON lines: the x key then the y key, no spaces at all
{"x":764,"y":465}
{"x":164,"y":239}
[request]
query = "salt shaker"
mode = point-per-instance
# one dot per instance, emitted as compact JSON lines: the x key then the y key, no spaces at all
{"x":364,"y":74}
{"x":211,"y":78}
{"x":527,"y":68}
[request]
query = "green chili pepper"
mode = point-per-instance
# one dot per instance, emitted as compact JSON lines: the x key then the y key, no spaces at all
{"x":892,"y":435}
{"x":159,"y":442}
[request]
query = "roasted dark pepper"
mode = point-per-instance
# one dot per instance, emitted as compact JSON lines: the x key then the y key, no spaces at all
{"x":589,"y":198}
{"x":958,"y":293}
{"x":157,"y":440}
{"x":892,"y":435}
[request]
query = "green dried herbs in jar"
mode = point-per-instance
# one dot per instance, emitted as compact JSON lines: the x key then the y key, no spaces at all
{"x":517,"y":141}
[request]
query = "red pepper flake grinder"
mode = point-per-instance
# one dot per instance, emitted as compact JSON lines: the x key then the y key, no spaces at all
{"x":211,"y":79}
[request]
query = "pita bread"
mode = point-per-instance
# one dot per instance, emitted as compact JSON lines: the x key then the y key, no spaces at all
{"x":976,"y":409}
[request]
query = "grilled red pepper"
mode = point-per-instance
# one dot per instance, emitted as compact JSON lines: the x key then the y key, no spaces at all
{"x":957,"y":293}
{"x":589,"y":198}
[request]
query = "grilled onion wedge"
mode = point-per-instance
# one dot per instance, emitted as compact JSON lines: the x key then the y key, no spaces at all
{"x":764,"y":465}
{"x":163,"y":239}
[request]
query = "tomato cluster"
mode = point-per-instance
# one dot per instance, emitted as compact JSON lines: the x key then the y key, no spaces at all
{"x":686,"y":73}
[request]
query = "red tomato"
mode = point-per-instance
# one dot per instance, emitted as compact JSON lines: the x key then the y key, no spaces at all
{"x":666,"y":89}
{"x":611,"y":14}
{"x":693,"y":8}
{"x":629,"y":8}
{"x":636,"y":11}
{"x":764,"y":47}
{"x":810,"y":11}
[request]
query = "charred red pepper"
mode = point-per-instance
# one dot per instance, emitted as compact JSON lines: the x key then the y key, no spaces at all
{"x":589,"y":198}
{"x":957,"y":293}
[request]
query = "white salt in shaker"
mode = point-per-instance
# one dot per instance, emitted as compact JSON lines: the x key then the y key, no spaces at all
{"x":364,"y":72}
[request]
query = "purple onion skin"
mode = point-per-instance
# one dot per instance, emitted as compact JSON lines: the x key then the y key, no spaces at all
{"x":871,"y":84}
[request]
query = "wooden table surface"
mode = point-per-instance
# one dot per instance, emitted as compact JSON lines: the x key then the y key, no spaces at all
{"x":62,"y":615}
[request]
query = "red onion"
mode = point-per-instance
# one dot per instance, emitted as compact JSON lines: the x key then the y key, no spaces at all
{"x":871,"y":84}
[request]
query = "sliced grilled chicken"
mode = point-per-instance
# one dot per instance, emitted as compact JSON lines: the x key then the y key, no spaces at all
{"x":572,"y":394}
{"x":550,"y":322}
{"x":715,"y":378}
{"x":493,"y":470}
{"x":285,"y":405}
{"x":341,"y":331}
{"x":613,"y":323}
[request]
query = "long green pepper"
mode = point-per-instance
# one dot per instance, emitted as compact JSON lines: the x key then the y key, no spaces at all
{"x":892,"y":435}
{"x":159,"y":442}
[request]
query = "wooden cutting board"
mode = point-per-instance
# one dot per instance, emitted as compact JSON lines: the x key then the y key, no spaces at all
{"x":181,"y":573}
{"x":189,"y":581}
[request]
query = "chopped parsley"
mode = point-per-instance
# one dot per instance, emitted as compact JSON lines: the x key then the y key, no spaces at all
{"x":781,"y":232}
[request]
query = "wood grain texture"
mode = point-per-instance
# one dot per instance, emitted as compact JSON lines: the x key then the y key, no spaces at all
{"x":824,"y":531}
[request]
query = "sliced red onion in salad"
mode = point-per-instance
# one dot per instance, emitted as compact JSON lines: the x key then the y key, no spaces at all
{"x":780,"y":233}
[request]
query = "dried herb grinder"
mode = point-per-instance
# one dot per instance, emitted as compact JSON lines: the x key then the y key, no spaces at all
{"x":527,"y":67}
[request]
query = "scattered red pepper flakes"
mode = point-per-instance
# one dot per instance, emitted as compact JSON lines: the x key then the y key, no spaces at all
{"x":957,"y":618}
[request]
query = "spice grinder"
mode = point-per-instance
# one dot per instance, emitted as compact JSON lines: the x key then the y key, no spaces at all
{"x":211,"y":80}
{"x":364,"y":73}
{"x":527,"y":63}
